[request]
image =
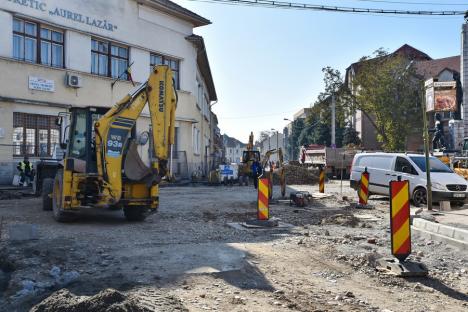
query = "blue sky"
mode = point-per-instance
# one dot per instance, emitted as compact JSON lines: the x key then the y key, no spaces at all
{"x":267,"y":63}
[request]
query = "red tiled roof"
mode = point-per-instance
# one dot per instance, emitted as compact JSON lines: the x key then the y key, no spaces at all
{"x":432,"y":68}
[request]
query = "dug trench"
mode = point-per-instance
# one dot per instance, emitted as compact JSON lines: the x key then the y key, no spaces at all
{"x":187,"y":258}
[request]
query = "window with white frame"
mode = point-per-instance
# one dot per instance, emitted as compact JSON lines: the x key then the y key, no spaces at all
{"x":109,"y":59}
{"x":206,"y":106}
{"x":36,"y":43}
{"x":200,"y":95}
{"x":196,"y":140}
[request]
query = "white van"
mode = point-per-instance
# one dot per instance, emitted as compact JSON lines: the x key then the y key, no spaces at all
{"x":385,"y":167}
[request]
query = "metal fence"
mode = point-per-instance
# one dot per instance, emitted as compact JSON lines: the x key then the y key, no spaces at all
{"x":11,"y":155}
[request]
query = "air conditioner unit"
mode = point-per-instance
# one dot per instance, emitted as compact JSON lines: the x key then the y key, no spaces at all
{"x":74,"y":81}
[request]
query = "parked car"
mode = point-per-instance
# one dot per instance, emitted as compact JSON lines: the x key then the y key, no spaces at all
{"x":385,"y":167}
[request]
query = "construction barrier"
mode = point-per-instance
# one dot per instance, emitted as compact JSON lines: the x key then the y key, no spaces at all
{"x":263,"y":210}
{"x":322,"y":181}
{"x":364,"y":188}
{"x":400,"y":219}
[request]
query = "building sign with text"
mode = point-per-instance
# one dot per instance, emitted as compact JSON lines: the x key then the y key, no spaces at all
{"x":65,"y":13}
{"x":41,"y":84}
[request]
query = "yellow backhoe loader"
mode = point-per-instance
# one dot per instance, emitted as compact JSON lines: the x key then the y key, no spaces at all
{"x":279,"y":169}
{"x":102,"y":167}
{"x":248,"y":158}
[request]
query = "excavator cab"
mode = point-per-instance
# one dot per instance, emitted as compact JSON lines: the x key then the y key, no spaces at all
{"x":250,"y":156}
{"x":80,"y":137}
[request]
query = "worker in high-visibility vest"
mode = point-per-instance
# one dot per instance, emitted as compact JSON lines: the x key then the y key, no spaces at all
{"x":257,"y":171}
{"x":26,"y":171}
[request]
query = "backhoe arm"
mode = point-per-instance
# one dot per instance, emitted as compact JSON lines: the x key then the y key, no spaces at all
{"x":113,"y":131}
{"x":251,"y":142}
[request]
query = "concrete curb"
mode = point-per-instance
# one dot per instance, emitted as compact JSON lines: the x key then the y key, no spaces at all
{"x":436,"y":231}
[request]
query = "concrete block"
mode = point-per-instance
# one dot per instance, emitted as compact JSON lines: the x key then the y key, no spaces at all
{"x":445,"y":206}
{"x":22,"y":232}
{"x":446,"y":231}
{"x":461,"y":235}
{"x":462,"y":245}
{"x":430,"y":226}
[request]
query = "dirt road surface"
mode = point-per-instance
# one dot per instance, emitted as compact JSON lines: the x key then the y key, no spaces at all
{"x":188,"y":258}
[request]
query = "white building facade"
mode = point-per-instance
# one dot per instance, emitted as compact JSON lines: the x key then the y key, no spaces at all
{"x":57,"y":54}
{"x":274,"y":141}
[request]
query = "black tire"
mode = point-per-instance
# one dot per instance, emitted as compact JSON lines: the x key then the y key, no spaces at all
{"x":419,"y":197}
{"x":57,"y":204}
{"x":47,"y":190}
{"x":136,"y":213}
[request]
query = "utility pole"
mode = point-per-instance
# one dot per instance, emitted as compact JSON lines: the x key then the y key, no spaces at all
{"x":426,"y":149}
{"x":277,"y":138}
{"x":333,"y":113}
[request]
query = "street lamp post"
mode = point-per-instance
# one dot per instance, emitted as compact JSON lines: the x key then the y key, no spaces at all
{"x":277,"y":139}
{"x":426,"y":150}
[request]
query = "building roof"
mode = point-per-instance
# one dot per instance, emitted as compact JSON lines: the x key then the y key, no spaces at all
{"x":302,"y":113}
{"x":176,"y":10}
{"x":204,"y":64}
{"x":432,"y":68}
{"x":232,"y":142}
{"x":411,"y":53}
{"x":405,"y":50}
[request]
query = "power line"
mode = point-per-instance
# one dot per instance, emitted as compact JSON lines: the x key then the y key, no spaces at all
{"x":256,"y":116}
{"x":314,"y":7}
{"x":413,"y":3}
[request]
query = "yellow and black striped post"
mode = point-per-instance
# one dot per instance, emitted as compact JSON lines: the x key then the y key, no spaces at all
{"x":400,"y":219}
{"x":263,"y":209}
{"x":364,"y":188}
{"x":321,"y":180}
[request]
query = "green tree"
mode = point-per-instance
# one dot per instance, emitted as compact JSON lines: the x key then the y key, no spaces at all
{"x":319,"y":121}
{"x":351,"y":136}
{"x":389,"y":96}
{"x":293,"y":144}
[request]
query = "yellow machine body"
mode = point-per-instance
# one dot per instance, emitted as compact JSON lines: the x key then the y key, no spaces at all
{"x":109,"y":185}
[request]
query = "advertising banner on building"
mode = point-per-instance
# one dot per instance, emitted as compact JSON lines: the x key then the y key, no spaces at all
{"x":445,"y":100}
{"x":441,"y":96}
{"x":430,"y":99}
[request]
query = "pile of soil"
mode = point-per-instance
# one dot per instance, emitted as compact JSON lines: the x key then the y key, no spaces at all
{"x":109,"y":300}
{"x":298,"y":175}
{"x":341,"y":219}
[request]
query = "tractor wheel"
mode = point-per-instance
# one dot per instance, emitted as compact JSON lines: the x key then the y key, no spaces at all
{"x":57,"y":200}
{"x":136,"y":213}
{"x":47,"y":192}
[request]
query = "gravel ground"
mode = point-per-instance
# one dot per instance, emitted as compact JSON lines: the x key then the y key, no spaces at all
{"x":187,"y":257}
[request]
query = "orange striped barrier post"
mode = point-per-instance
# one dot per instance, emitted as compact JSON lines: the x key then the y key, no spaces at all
{"x":322,"y":180}
{"x":364,"y":188}
{"x":400,"y":229}
{"x":400,"y":219}
{"x":263,"y":208}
